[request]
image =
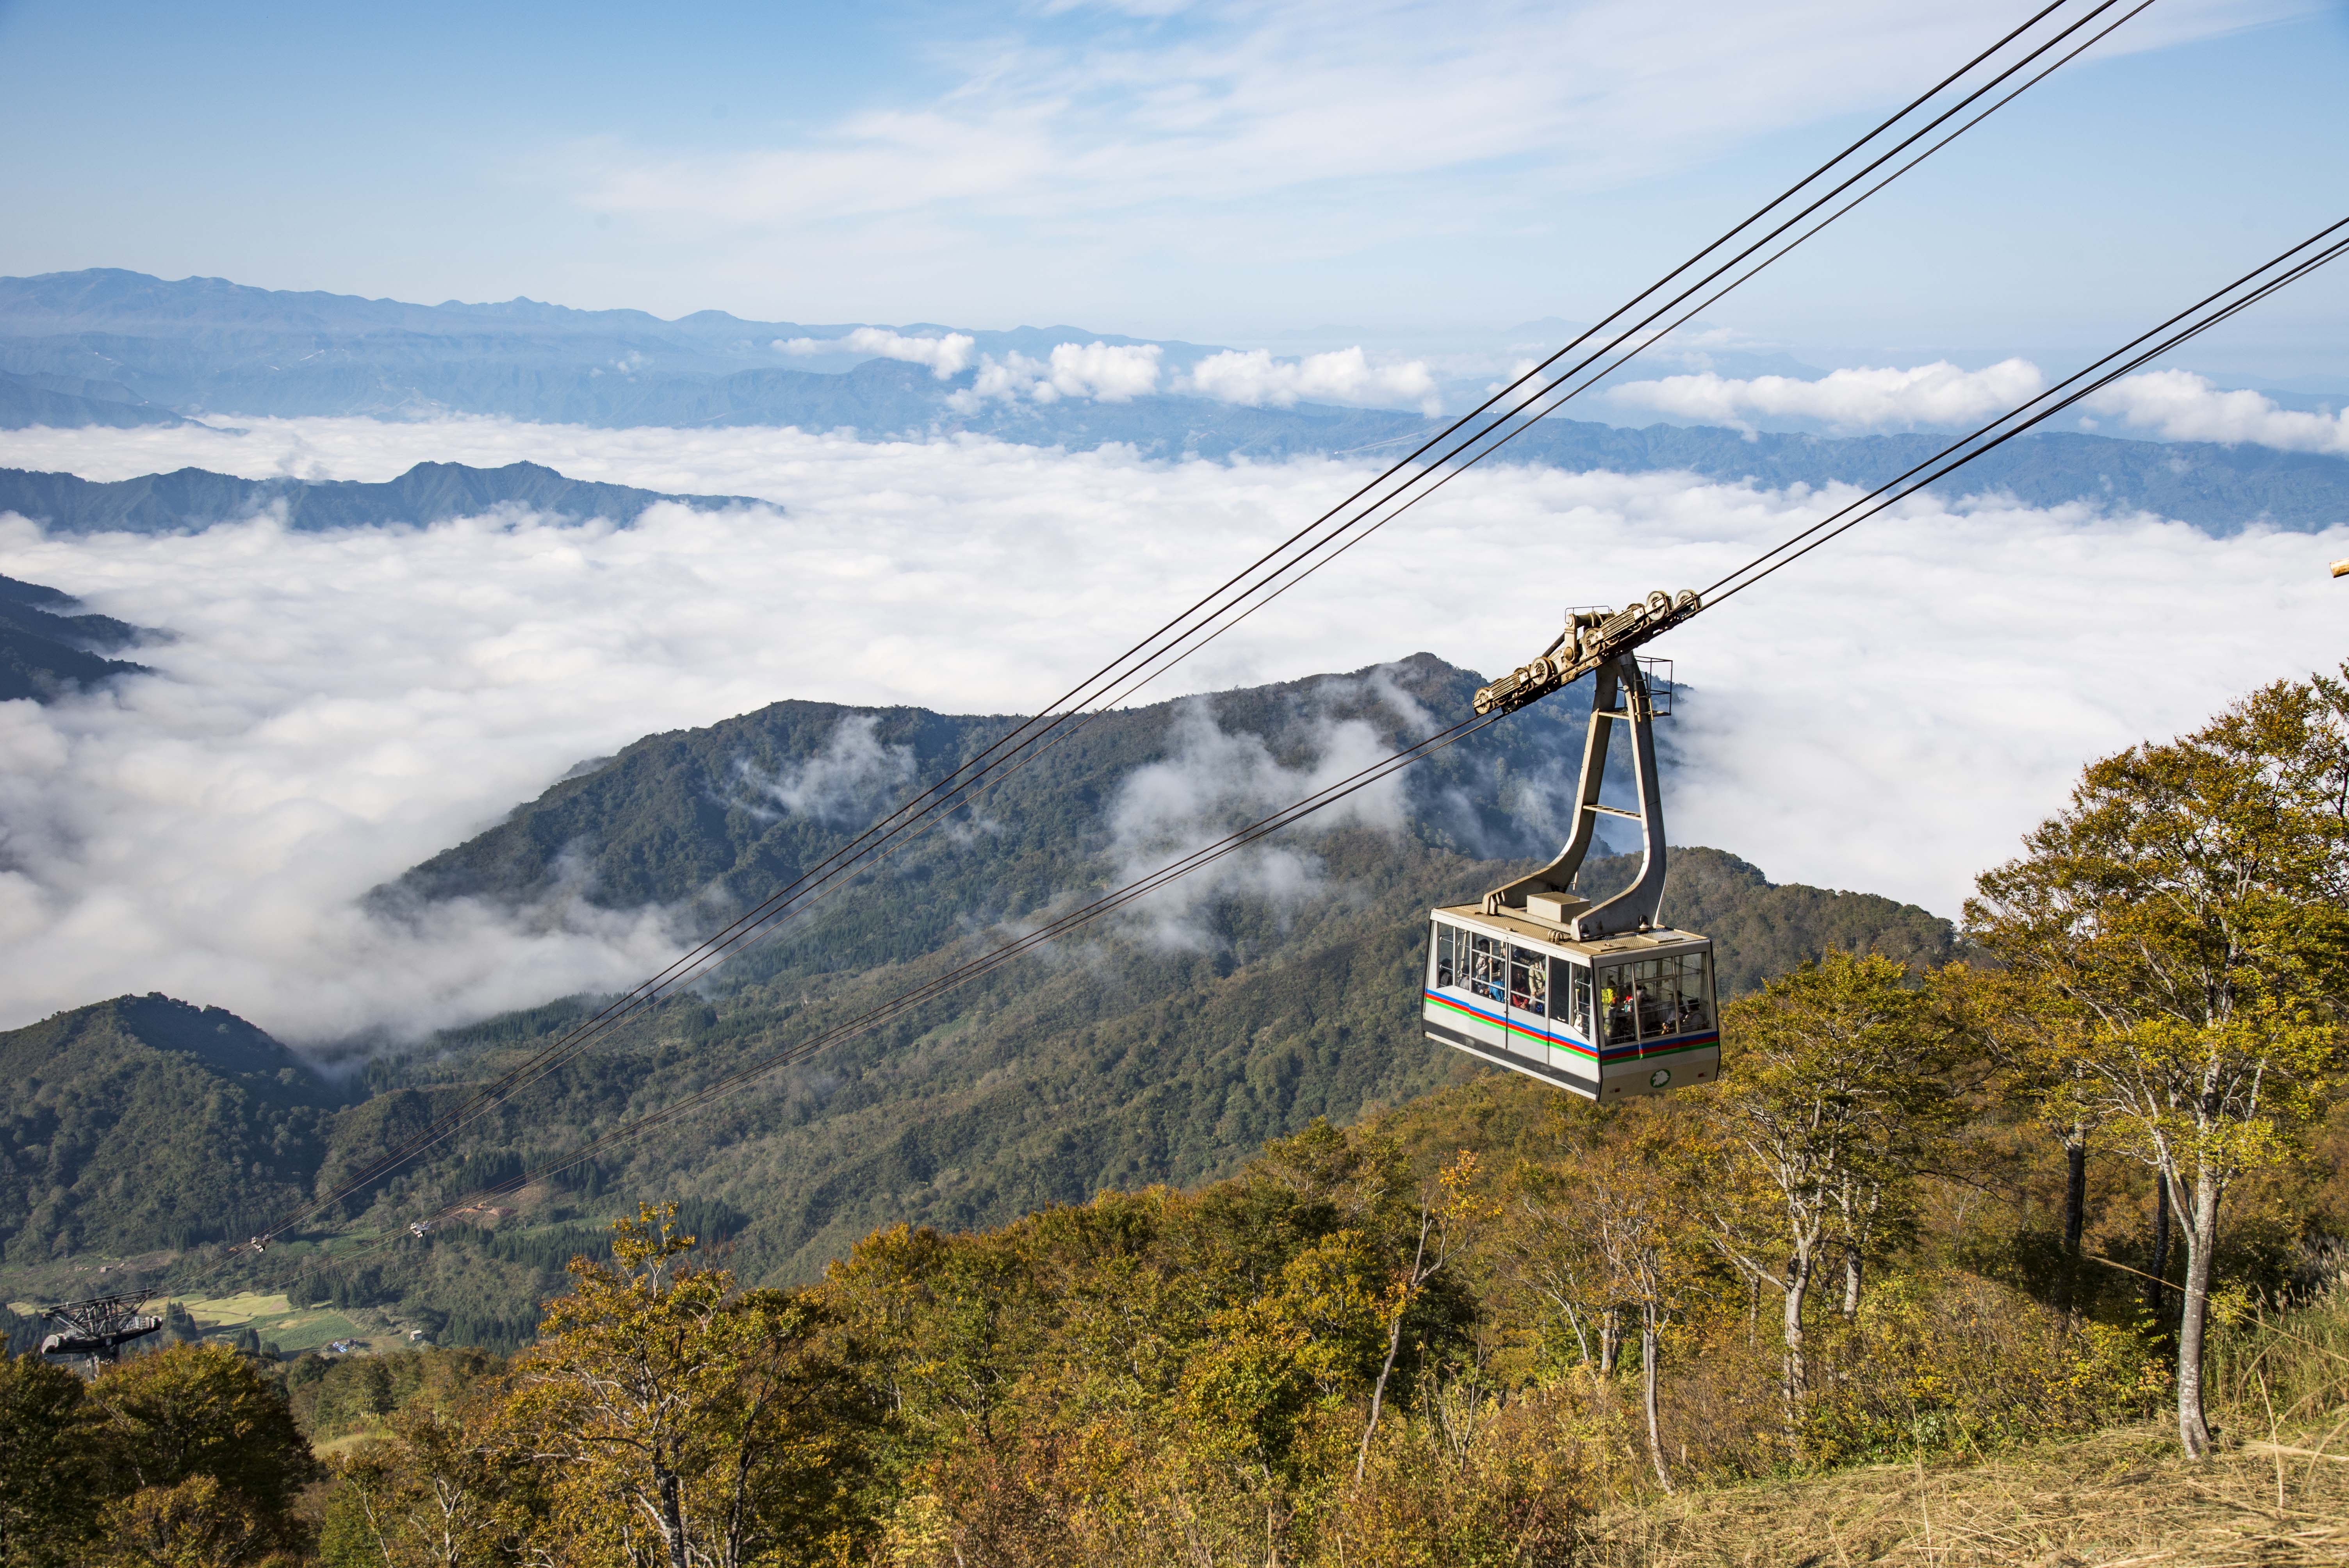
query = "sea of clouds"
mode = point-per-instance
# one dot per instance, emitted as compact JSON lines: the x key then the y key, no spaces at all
{"x":1889,"y":714}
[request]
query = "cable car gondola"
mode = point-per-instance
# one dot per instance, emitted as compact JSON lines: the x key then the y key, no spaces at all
{"x":1592,"y":997}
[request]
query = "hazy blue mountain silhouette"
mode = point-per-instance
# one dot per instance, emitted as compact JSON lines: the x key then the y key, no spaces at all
{"x":192,"y":499}
{"x":27,"y":401}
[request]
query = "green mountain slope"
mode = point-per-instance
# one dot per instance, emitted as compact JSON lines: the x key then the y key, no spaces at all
{"x":1122,"y":1062}
{"x":1164,"y":1046}
{"x":143,"y":1121}
{"x":725,"y":815}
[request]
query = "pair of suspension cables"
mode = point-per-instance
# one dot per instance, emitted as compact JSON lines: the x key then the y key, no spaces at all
{"x":2015,"y":63}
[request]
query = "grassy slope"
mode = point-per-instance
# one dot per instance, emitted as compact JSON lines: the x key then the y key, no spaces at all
{"x":2122,"y":1497}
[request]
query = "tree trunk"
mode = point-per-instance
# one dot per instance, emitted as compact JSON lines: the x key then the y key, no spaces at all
{"x":2156,"y":1290}
{"x":670,"y":1487}
{"x":2202,"y":1227}
{"x":1651,"y":1352}
{"x":1798,"y":1372}
{"x":1851,"y":1267}
{"x":1394,"y":1342}
{"x":1610,"y":1341}
{"x":2075,"y":1212}
{"x":1379,"y":1391}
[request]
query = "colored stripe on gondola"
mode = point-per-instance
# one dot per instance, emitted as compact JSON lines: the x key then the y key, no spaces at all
{"x":1673,"y":1045}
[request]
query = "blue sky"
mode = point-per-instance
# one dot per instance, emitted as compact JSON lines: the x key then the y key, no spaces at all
{"x":1220,"y":170}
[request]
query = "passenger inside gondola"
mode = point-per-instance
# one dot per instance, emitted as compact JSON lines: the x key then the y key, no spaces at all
{"x":1619,"y":1026}
{"x":1529,"y":982}
{"x":1654,"y":998}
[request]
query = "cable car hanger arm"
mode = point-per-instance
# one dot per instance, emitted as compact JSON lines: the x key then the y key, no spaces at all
{"x":1591,"y":639}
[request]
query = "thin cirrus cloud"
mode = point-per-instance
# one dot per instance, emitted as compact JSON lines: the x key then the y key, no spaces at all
{"x":1231,"y":117}
{"x":338,"y":707}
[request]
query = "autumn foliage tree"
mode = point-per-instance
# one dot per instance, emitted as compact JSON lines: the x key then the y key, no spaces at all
{"x":434,"y":1493}
{"x":684,"y":1423}
{"x":1645,"y":1228}
{"x":2188,"y":914}
{"x":1841,"y":1079}
{"x":49,"y":1465}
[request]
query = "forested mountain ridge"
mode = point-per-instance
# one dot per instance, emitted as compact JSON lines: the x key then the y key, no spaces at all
{"x":1114,"y":1065}
{"x":727,"y":813}
{"x":1161,"y":1048}
{"x":188,"y":501}
{"x":48,"y":648}
{"x":144,"y":1122}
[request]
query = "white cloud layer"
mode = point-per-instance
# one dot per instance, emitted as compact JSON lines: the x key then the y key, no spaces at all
{"x":2174,"y":405}
{"x":2179,"y":406}
{"x":1855,"y":399}
{"x":1891,"y":715}
{"x":947,"y":356}
{"x":1109,"y":372}
{"x":1344,"y":375}
{"x":1118,"y":373}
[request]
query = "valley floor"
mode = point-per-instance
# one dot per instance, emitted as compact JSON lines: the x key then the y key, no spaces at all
{"x":2115,"y":1500}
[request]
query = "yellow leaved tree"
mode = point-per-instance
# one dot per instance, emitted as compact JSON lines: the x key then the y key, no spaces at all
{"x":2187,"y":915}
{"x":678,"y":1422}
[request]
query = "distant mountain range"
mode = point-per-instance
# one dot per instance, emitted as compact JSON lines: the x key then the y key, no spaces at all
{"x":114,"y":347}
{"x":50,"y":648}
{"x":193,"y":499}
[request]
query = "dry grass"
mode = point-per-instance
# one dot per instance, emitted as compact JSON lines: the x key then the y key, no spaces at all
{"x":2115,"y":1500}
